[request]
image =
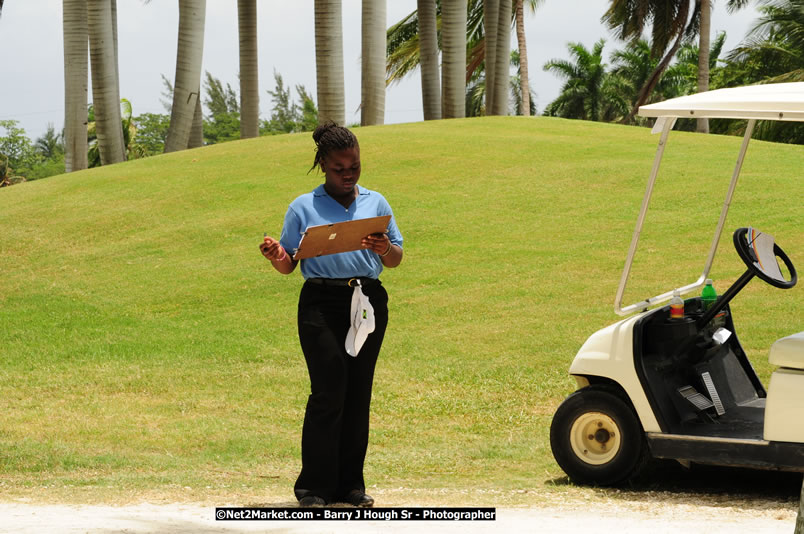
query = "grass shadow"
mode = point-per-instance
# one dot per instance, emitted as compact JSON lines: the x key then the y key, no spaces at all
{"x":715,"y":486}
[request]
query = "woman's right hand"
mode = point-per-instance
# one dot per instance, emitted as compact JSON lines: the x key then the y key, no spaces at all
{"x":272,"y":250}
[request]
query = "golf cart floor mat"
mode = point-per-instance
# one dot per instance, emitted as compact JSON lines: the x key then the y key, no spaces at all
{"x":746,"y":421}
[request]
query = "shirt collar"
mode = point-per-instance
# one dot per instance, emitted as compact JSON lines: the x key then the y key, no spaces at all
{"x":321,"y":192}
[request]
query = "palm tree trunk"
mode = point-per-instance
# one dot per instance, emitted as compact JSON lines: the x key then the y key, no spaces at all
{"x":428,"y":57}
{"x":502,"y":59}
{"x":116,"y":54}
{"x":117,"y":72}
{"x":197,"y":131}
{"x":453,"y":64}
{"x":105,"y":91}
{"x":524,"y":82}
{"x":372,"y":106}
{"x":76,"y":74}
{"x":491,"y":11}
{"x":329,"y":61}
{"x":187,"y":86}
{"x":703,"y":57}
{"x":249,"y":69}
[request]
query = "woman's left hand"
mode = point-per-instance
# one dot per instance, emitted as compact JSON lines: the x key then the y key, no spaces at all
{"x":377,"y":243}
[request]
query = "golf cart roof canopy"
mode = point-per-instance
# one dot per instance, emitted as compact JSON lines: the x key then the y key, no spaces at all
{"x":776,"y":102}
{"x":779,"y":102}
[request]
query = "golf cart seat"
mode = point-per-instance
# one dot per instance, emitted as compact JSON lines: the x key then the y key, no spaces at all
{"x":788,"y":352}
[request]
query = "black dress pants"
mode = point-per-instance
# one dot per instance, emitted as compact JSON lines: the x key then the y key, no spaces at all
{"x":336,"y":421}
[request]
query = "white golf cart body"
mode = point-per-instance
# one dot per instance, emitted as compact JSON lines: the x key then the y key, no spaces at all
{"x":686,"y":422}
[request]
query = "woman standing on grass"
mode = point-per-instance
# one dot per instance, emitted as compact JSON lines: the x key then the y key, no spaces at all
{"x":336,"y":422}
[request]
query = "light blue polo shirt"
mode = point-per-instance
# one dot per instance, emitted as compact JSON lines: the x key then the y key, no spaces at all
{"x":317,"y":208}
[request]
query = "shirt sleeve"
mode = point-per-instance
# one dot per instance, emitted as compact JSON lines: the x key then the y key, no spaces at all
{"x":291,"y":232}
{"x":394,"y":234}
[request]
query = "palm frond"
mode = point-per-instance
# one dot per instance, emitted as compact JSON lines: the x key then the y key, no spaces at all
{"x":792,"y":76}
{"x":404,"y":60}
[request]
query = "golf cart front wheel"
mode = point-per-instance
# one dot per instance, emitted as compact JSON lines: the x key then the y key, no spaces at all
{"x":596,"y":437}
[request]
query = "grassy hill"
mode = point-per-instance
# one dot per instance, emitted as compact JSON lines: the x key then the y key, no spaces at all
{"x":147,"y":347}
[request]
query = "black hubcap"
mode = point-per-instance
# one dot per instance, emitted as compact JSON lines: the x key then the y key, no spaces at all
{"x":602,"y":435}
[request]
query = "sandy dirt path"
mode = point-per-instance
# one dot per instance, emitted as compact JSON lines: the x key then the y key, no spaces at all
{"x":622,"y":517}
{"x":667,"y":501}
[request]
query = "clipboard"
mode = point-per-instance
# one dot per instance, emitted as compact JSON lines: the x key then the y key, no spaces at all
{"x":339,"y":237}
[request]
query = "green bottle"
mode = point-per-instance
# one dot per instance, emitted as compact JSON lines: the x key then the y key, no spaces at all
{"x":708,"y":295}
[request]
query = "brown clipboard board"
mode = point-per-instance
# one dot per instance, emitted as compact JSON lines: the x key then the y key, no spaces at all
{"x":339,"y":237}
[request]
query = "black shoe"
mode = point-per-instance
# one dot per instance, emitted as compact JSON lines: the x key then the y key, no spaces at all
{"x":312,"y":500}
{"x":360,"y":499}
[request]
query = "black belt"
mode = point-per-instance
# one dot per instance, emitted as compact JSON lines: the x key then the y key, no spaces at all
{"x":349,"y":282}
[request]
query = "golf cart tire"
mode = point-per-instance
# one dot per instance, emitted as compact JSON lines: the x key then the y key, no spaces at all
{"x":596,"y":437}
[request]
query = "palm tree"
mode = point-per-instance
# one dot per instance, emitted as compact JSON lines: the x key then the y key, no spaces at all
{"x":502,"y":54}
{"x":329,"y":61}
{"x":372,"y":107}
{"x":403,"y":42}
{"x":249,"y":75}
{"x":671,"y":21}
{"x":51,"y":144}
{"x":105,"y":86}
{"x":703,"y":56}
{"x":197,"y":130}
{"x":428,"y":44}
{"x":453,"y":63}
{"x":185,"y":111}
{"x":501,"y":46}
{"x":681,"y":78}
{"x":128,"y":128}
{"x":773,"y":52}
{"x":632,"y":66}
{"x":704,"y":48}
{"x":491,"y":12}
{"x":588,"y":93}
{"x":517,"y":88}
{"x":524,"y":79}
{"x":76,"y":75}
{"x":476,"y":91}
{"x":495,"y":49}
{"x":7,"y":176}
{"x":405,"y":37}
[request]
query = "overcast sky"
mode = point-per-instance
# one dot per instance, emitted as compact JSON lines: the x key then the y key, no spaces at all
{"x":31,"y":52}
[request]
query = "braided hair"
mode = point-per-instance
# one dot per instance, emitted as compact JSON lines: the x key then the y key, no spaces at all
{"x":329,"y":137}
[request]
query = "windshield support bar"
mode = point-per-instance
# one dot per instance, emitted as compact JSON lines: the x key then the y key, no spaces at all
{"x":749,"y":129}
{"x":657,"y":160}
{"x":643,"y":305}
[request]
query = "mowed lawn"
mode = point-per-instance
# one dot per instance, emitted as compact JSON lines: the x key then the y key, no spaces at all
{"x":148,"y":348}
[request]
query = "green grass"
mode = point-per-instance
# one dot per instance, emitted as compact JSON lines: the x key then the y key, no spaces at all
{"x":148,"y":348}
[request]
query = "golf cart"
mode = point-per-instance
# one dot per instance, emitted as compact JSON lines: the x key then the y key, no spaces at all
{"x":658,"y":385}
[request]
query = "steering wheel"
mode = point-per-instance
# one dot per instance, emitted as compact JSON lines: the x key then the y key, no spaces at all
{"x":759,"y":252}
